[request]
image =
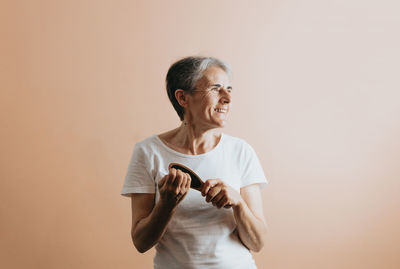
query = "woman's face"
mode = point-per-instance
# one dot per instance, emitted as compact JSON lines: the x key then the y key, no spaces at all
{"x":208,"y":106}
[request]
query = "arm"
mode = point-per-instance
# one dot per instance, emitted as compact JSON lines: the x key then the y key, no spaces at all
{"x":247,"y":209}
{"x":150,"y":220}
{"x":250,"y":218}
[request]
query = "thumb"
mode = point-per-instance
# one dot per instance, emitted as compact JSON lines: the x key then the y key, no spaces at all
{"x":162,"y":181}
{"x":210,"y":183}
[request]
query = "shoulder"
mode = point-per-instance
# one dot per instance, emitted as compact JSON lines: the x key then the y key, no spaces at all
{"x":147,"y":145}
{"x":146,"y":142}
{"x":239,"y":148}
{"x":236,"y":142}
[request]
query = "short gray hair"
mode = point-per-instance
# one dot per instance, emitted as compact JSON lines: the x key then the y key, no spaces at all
{"x":185,"y":73}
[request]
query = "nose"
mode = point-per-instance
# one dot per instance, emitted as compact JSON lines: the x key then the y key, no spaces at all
{"x":226,"y":97}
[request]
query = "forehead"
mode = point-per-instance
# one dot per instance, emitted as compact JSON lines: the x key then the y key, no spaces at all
{"x":214,"y":75}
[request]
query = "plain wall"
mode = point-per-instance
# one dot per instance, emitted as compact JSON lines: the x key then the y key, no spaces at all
{"x":316,"y":94}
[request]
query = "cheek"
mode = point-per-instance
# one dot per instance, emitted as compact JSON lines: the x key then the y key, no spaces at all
{"x":208,"y":102}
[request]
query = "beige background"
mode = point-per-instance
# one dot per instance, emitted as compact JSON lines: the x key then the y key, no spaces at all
{"x":316,"y":94}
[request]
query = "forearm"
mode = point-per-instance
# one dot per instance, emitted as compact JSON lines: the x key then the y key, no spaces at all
{"x":148,"y":231}
{"x":250,"y":228}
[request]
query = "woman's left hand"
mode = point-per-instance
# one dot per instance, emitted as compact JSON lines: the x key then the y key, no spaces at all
{"x":220,"y":194}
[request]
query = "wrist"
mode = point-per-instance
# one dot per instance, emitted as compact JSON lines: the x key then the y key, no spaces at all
{"x":239,"y":205}
{"x":166,"y":205}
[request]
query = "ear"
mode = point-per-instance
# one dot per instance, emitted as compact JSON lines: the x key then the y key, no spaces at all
{"x":181,"y":97}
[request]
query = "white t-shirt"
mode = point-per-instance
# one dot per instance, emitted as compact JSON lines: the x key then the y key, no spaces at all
{"x":198,"y":235}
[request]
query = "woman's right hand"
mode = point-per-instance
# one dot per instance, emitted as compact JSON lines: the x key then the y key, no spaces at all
{"x":149,"y":219}
{"x":174,"y":187}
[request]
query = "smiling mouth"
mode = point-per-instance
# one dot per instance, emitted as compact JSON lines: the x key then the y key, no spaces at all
{"x":221,"y":110}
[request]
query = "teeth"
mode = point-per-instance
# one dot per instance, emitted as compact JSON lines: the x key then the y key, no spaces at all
{"x":220,"y":110}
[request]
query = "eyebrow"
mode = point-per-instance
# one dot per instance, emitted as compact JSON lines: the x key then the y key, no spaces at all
{"x":219,"y":85}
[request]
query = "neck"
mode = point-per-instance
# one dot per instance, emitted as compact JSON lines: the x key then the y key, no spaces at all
{"x":193,"y":140}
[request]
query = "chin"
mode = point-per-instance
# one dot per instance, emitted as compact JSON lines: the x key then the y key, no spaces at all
{"x":218,"y":123}
{"x":221,"y":124}
{"x":215,"y":125}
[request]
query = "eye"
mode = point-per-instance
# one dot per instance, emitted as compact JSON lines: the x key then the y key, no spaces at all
{"x":215,"y":89}
{"x":229,"y":90}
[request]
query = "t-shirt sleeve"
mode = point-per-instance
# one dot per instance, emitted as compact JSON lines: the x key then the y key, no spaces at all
{"x":252,"y":172}
{"x":138,"y":178}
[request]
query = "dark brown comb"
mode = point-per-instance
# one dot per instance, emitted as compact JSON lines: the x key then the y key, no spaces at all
{"x":196,"y":182}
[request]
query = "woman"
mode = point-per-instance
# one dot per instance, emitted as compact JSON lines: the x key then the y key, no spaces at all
{"x":214,"y":228}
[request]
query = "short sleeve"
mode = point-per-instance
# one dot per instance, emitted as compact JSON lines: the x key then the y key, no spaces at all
{"x":138,"y":178}
{"x":252,"y":172}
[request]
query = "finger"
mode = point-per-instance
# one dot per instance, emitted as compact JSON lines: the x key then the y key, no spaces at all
{"x":180,"y":179}
{"x":162,"y":181}
{"x":218,"y":199}
{"x":222,"y":202}
{"x":212,"y":193}
{"x":208,"y":185}
{"x":188,"y":182}
{"x":228,"y":205}
{"x":172,"y":176}
{"x":183,"y":186}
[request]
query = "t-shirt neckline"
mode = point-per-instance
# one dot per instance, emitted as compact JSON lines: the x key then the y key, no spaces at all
{"x":189,"y":155}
